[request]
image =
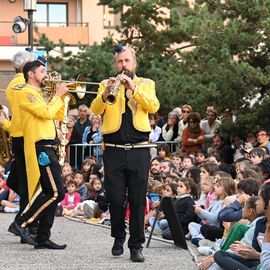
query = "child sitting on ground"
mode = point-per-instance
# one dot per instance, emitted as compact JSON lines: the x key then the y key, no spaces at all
{"x":12,"y":204}
{"x":72,"y":198}
{"x":210,"y":229}
{"x":170,"y":190}
{"x":207,"y":197}
{"x":3,"y":189}
{"x":79,"y":178}
{"x":95,"y":204}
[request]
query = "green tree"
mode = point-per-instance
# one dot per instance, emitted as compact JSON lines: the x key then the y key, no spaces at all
{"x":228,"y":65}
{"x":95,"y":62}
{"x":213,"y":53}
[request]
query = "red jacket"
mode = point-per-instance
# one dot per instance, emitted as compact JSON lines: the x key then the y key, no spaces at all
{"x":191,"y":147}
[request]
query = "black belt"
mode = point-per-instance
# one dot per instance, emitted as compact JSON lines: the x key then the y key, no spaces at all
{"x":129,"y":146}
{"x":55,"y":147}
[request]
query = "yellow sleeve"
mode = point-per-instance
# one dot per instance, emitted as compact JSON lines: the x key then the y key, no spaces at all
{"x":6,"y":124}
{"x":97,"y":105}
{"x":60,"y":113}
{"x":35,"y":104}
{"x":145,"y":95}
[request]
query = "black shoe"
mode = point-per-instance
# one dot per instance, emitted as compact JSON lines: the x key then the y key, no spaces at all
{"x":34,"y":237}
{"x":118,"y":248}
{"x":12,"y":230}
{"x":48,"y":244}
{"x":136,"y":255}
{"x":23,"y":233}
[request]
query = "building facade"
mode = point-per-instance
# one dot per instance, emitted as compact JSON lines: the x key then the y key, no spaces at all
{"x":73,"y":21}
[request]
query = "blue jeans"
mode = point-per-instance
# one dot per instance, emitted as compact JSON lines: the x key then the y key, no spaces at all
{"x":4,"y":195}
{"x":160,"y":224}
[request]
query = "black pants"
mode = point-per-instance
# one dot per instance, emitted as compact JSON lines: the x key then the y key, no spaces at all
{"x":126,"y":176}
{"x":43,"y":208}
{"x":17,"y":179}
{"x":230,"y":261}
{"x":211,"y":232}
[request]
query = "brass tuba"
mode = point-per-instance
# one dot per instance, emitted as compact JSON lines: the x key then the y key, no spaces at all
{"x":5,"y":145}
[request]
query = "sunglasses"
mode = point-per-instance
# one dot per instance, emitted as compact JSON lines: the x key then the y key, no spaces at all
{"x":261,"y":134}
{"x":184,"y":111}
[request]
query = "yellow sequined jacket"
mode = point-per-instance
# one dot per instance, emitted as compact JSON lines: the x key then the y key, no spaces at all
{"x":13,"y":90}
{"x":141,"y":102}
{"x":37,"y":124}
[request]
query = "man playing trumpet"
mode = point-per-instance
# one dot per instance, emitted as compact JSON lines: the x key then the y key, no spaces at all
{"x":126,"y":155}
{"x":45,"y":187}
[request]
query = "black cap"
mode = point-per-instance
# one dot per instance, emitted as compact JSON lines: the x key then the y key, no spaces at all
{"x":29,"y":50}
{"x":41,"y":60}
{"x":119,"y":48}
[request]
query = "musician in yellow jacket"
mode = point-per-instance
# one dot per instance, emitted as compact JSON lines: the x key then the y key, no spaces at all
{"x":126,"y":155}
{"x":17,"y":180}
{"x":45,"y":187}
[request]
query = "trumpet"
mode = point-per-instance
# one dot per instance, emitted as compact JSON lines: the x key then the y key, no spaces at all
{"x":78,"y":86}
{"x":114,"y":88}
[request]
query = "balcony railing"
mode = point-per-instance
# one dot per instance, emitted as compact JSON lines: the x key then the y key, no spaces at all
{"x":70,"y":33}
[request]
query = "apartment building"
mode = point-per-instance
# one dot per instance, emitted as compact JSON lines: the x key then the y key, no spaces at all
{"x":74,"y":21}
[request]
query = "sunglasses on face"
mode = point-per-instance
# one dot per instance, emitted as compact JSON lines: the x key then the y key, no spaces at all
{"x":261,"y":134}
{"x":184,"y":111}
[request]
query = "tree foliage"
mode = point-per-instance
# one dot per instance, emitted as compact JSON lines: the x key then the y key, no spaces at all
{"x":216,"y":52}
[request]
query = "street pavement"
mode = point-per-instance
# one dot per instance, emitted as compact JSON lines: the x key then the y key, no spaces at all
{"x":89,"y":247}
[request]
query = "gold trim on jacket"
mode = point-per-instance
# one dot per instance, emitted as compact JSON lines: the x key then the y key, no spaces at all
{"x":142,"y":101}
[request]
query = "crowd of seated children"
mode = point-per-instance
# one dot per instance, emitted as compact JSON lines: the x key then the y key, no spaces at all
{"x":210,"y":228}
{"x":187,"y":192}
{"x":239,"y":232}
{"x":95,"y":204}
{"x":247,"y":256}
{"x":233,"y":212}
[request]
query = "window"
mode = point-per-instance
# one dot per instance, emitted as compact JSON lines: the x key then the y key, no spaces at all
{"x":49,"y":14}
{"x":111,"y":20}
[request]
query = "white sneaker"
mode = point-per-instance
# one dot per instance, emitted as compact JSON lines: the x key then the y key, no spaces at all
{"x":188,"y":236}
{"x":204,"y":250}
{"x":206,"y":242}
{"x":11,"y":209}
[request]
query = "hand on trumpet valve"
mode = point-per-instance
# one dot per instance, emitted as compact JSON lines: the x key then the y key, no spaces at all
{"x":61,"y":89}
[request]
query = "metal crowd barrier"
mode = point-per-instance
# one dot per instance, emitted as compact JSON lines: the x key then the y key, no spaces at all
{"x":76,"y":153}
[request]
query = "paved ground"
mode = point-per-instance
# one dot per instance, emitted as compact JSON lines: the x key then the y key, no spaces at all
{"x":88,"y":248}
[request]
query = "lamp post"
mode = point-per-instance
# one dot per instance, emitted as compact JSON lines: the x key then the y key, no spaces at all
{"x":30,"y":7}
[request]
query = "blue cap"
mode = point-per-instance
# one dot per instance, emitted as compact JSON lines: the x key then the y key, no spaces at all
{"x":29,"y":50}
{"x":41,"y":60}
{"x":119,"y":48}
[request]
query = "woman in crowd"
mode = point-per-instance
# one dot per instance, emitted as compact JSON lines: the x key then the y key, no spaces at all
{"x":92,"y":135}
{"x":193,"y":135}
